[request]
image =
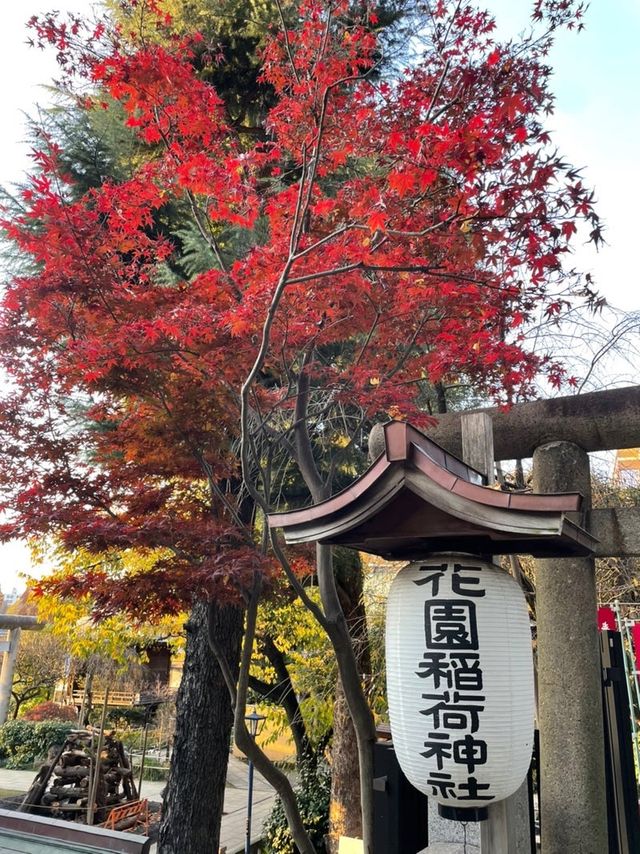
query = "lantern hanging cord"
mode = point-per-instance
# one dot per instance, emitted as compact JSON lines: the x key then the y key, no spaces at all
{"x":464,"y":837}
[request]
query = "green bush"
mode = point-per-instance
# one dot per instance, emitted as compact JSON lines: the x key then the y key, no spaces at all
{"x":313,"y":795}
{"x":24,"y":742}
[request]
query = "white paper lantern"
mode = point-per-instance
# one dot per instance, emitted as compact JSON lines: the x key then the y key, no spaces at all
{"x":460,"y":680}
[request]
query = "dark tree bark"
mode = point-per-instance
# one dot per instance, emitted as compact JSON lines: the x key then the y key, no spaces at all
{"x":345,"y":816}
{"x":441,"y":398}
{"x":283,"y":693}
{"x":194,"y":797}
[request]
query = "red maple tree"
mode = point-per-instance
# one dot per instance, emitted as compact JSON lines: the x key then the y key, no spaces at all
{"x":391,"y":232}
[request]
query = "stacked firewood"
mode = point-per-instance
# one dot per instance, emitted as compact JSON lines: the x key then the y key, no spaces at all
{"x":75,"y":783}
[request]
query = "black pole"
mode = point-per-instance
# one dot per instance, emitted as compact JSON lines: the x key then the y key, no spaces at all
{"x":147,"y":717}
{"x":622,"y":794}
{"x":247,"y":844}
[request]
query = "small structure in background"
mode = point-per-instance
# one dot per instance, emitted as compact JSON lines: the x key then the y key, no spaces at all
{"x":8,"y":599}
{"x":161,"y":671}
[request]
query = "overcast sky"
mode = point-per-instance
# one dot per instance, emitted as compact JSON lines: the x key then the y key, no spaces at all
{"x":596,"y":125}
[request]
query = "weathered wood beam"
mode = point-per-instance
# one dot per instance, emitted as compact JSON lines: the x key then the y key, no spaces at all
{"x":19,"y":621}
{"x":598,"y":421}
{"x":617,"y":529}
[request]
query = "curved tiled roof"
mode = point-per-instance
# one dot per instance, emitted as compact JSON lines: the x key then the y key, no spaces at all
{"x":416,"y":498}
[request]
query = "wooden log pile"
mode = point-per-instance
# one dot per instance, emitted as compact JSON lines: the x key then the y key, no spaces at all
{"x":74,"y":773}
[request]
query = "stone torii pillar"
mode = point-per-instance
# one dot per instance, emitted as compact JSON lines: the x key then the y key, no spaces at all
{"x":573,"y":809}
{"x":14,"y":623}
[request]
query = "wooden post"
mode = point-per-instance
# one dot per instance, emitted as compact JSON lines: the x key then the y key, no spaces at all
{"x":507,"y":830}
{"x":573,"y":804}
{"x":93,"y":787}
{"x":6,"y":675}
{"x":477,"y":443}
{"x":147,"y":717}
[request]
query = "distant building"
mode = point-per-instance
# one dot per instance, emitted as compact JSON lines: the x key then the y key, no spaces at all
{"x":160,"y":676}
{"x":7,"y":599}
{"x":626,"y":471}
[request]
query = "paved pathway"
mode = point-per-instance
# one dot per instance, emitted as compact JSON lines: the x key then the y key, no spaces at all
{"x":234,"y":819}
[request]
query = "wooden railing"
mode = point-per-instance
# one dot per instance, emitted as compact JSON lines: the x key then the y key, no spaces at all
{"x":116,"y":698}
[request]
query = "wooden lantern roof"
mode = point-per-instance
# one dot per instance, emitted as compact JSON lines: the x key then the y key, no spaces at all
{"x":417,"y":499}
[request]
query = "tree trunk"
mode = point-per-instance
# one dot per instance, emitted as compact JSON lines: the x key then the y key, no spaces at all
{"x":88,"y":697}
{"x":441,"y":398}
{"x":336,"y":623}
{"x":345,"y":816}
{"x":194,"y":797}
{"x":283,"y":693}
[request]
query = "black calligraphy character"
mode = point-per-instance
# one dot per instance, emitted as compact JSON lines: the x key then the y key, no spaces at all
{"x":451,"y":624}
{"x":434,"y":578}
{"x":441,"y":784}
{"x":473,"y":787}
{"x":470,"y":751}
{"x":467,"y":675}
{"x":454,"y":715}
{"x":435,"y":664}
{"x":458,"y":581}
{"x":439,"y":746}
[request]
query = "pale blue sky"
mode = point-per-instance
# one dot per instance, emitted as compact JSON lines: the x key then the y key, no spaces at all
{"x":597,"y":125}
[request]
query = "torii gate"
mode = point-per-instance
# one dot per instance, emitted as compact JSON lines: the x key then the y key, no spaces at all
{"x":558,"y":433}
{"x":14,"y":623}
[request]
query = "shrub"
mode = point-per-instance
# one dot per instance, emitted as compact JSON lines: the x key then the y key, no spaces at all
{"x":49,"y":711}
{"x":23,"y":742}
{"x":313,"y":796}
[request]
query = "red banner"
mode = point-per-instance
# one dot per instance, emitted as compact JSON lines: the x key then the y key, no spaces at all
{"x":635,"y":636}
{"x":607,"y":619}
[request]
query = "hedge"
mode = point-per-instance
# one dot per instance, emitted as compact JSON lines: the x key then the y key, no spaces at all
{"x":24,"y":742}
